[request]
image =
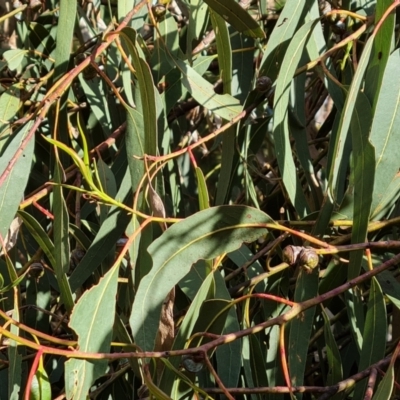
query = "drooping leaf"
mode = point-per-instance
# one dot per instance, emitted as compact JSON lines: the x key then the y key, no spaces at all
{"x":224,"y":105}
{"x":40,"y":235}
{"x":206,"y":291}
{"x":41,"y":387}
{"x":235,"y":15}
{"x":281,"y":130}
{"x":384,"y":135}
{"x":61,"y":243}
{"x":110,"y":231}
{"x":289,"y":19}
{"x":338,"y":160}
{"x":364,"y":169}
{"x":300,"y":327}
{"x":12,"y":190}
{"x":335,"y":373}
{"x":146,"y":90}
{"x":201,"y":236}
{"x":374,"y":335}
{"x":10,"y":103}
{"x":14,"y":58}
{"x":92,"y":319}
{"x":385,"y":387}
{"x":64,"y":37}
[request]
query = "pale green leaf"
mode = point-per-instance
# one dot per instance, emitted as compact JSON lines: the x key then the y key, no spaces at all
{"x":92,"y":319}
{"x":235,"y":15}
{"x":201,"y":236}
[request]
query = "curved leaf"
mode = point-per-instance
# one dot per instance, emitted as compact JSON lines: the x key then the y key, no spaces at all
{"x":234,"y":14}
{"x":12,"y":190}
{"x":92,"y":319}
{"x":374,"y":335}
{"x":385,"y":135}
{"x":204,"y":235}
{"x":281,"y":128}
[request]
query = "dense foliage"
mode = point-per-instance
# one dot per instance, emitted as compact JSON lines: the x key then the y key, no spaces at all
{"x":199,"y":199}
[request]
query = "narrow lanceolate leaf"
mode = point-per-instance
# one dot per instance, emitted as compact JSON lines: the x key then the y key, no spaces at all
{"x":65,"y":31}
{"x":281,"y":128}
{"x":224,"y":50}
{"x":146,"y":88}
{"x":40,"y":235}
{"x":385,"y":135}
{"x":363,"y":172}
{"x":10,"y":104}
{"x":383,"y":46}
{"x":205,"y":292}
{"x":224,"y":105}
{"x":335,"y":371}
{"x":385,"y":387}
{"x":40,"y":388}
{"x":229,"y":358}
{"x":61,"y":243}
{"x":92,"y":319}
{"x":12,"y":190}
{"x":300,"y":327}
{"x":110,"y":231}
{"x":14,"y":58}
{"x":14,"y":359}
{"x":291,"y":16}
{"x":204,"y":200}
{"x":204,"y":235}
{"x":235,"y":15}
{"x":331,"y":194}
{"x":374,"y":335}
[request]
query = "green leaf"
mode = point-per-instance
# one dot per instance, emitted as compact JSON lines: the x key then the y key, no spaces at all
{"x":335,"y":373}
{"x":198,"y":21}
{"x":228,"y":144}
{"x":374,"y":335}
{"x":96,"y":94}
{"x":10,"y":104}
{"x":229,"y":359}
{"x":204,"y":201}
{"x":202,"y":236}
{"x":385,"y":134}
{"x":146,"y":89}
{"x":257,"y":360}
{"x":300,"y":327}
{"x":40,"y":236}
{"x":289,"y":19}
{"x":390,"y":287}
{"x":385,"y":387}
{"x":12,"y":190}
{"x":14,"y":58}
{"x":383,"y":45}
{"x":65,"y":31}
{"x":61,"y":243}
{"x":355,"y":311}
{"x":206,"y":291}
{"x":92,"y":319}
{"x":246,"y":357}
{"x":15,"y":362}
{"x":364,"y":169}
{"x":281,"y":129}
{"x":332,"y":195}
{"x":235,"y":15}
{"x":40,"y":388}
{"x":110,"y":231}
{"x":224,"y":105}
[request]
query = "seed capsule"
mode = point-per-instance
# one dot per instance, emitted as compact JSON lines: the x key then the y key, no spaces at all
{"x":308,"y":258}
{"x":263,"y":84}
{"x":290,"y":254}
{"x":192,"y":363}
